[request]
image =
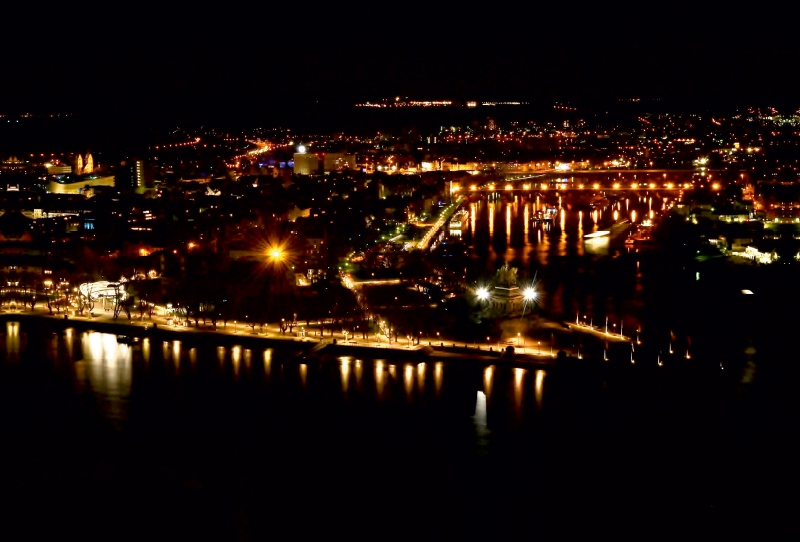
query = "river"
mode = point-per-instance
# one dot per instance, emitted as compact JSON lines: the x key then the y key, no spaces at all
{"x":169,"y":439}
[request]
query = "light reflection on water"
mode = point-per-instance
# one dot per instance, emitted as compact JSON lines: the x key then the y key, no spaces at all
{"x":236,"y":359}
{"x":107,"y":370}
{"x":519,"y":378}
{"x":539,"y":387}
{"x":380,"y":374}
{"x":344,"y":367}
{"x":303,"y":368}
{"x":268,"y":363}
{"x":512,"y":239}
{"x":12,"y":340}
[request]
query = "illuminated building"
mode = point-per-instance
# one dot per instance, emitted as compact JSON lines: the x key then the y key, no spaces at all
{"x":130,"y":176}
{"x":69,"y":184}
{"x":57,"y":169}
{"x":84,"y":166}
{"x":306,"y":164}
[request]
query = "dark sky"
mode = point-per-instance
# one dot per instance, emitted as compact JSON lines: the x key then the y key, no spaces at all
{"x":235,"y":62}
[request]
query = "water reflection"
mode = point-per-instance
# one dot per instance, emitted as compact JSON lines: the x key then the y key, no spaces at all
{"x":268,"y":363}
{"x":539,"y":388}
{"x":359,"y":371}
{"x":379,"y":378}
{"x":248,"y":355}
{"x":519,"y":379}
{"x":12,"y":340}
{"x":488,"y":377}
{"x":408,"y":380}
{"x":344,"y":368}
{"x":176,"y":354}
{"x":303,"y":370}
{"x":106,"y":369}
{"x":106,"y":373}
{"x":236,"y":359}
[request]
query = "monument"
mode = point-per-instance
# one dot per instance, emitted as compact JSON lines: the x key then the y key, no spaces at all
{"x":507,"y":299}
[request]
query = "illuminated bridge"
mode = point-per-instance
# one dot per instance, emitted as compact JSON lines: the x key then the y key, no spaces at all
{"x":603,"y":181}
{"x":509,"y":186}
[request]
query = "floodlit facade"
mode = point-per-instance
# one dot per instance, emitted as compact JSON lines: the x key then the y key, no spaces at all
{"x":305,"y":164}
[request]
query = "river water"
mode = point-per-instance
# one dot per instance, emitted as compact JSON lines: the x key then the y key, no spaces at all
{"x":669,"y":303}
{"x":171,"y":439}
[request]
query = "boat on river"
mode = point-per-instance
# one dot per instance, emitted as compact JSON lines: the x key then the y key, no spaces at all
{"x":597,"y":234}
{"x":459,"y":220}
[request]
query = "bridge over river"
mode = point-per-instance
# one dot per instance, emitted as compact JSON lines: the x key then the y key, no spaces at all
{"x":605,"y":180}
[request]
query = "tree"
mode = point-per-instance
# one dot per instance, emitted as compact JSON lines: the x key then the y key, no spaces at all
{"x":121,"y":301}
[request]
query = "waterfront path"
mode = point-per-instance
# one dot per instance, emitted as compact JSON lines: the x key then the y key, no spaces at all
{"x":538,"y":348}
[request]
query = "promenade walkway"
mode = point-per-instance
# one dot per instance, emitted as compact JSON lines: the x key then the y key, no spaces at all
{"x":530,"y":348}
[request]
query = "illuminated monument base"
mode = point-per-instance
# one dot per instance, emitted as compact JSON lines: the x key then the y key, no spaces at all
{"x":507,"y":299}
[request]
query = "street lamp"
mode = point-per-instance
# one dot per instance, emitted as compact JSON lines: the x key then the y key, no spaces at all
{"x":529,"y":294}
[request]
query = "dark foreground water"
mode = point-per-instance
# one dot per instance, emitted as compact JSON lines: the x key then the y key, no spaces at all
{"x":169,"y":440}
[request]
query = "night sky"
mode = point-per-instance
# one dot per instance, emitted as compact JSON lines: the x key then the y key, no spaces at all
{"x":235,"y":62}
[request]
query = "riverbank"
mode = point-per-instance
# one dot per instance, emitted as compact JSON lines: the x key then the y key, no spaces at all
{"x":301,"y":347}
